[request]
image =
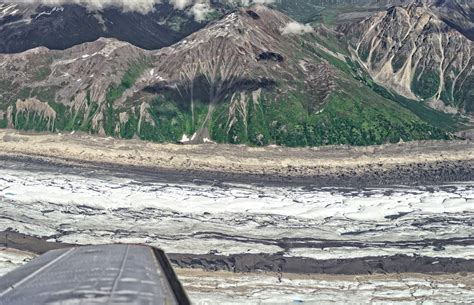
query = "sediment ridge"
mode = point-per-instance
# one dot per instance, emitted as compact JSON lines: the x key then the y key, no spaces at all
{"x":404,"y":163}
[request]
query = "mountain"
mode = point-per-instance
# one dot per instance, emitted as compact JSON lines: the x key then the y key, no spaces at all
{"x":26,"y":26}
{"x":241,"y":79}
{"x":39,"y":84}
{"x":412,"y":51}
{"x":333,"y":11}
{"x":458,"y":14}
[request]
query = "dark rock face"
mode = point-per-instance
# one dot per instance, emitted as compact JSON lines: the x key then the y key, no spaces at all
{"x":203,"y":90}
{"x":70,"y":25}
{"x":253,"y":14}
{"x":270,"y":56}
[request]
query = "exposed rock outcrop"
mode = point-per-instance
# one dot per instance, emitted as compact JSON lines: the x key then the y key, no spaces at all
{"x":34,"y":110}
{"x":414,"y":52}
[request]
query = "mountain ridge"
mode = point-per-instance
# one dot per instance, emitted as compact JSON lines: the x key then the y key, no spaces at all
{"x":237,"y":80}
{"x":411,"y":51}
{"x":26,"y":26}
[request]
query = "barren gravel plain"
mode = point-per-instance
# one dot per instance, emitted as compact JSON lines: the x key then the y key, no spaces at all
{"x":403,"y":163}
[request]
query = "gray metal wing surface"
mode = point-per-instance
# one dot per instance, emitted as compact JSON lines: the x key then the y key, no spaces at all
{"x":105,"y":274}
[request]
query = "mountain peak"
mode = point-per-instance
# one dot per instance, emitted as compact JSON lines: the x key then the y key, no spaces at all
{"x":246,"y":46}
{"x":412,"y":51}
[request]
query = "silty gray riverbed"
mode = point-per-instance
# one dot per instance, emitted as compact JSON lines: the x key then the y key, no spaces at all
{"x":247,"y":227}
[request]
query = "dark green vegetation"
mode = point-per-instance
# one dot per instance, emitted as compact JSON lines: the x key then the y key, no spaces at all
{"x":115,"y":92}
{"x":30,"y":121}
{"x":329,"y":12}
{"x":436,"y":118}
{"x":305,"y":11}
{"x":425,"y":85}
{"x":3,"y":122}
{"x":172,"y":121}
{"x":465,"y":93}
{"x":346,"y":119}
{"x":42,"y":73}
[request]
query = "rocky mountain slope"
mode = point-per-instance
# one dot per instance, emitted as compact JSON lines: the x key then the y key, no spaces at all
{"x":53,"y":80}
{"x":26,"y":26}
{"x":239,"y":80}
{"x":247,"y":77}
{"x":457,"y":13}
{"x":412,"y":51}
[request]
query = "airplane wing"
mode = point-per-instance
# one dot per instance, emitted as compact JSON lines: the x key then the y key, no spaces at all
{"x":105,"y":274}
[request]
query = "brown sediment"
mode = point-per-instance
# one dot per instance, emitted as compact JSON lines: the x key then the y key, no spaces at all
{"x":403,"y":163}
